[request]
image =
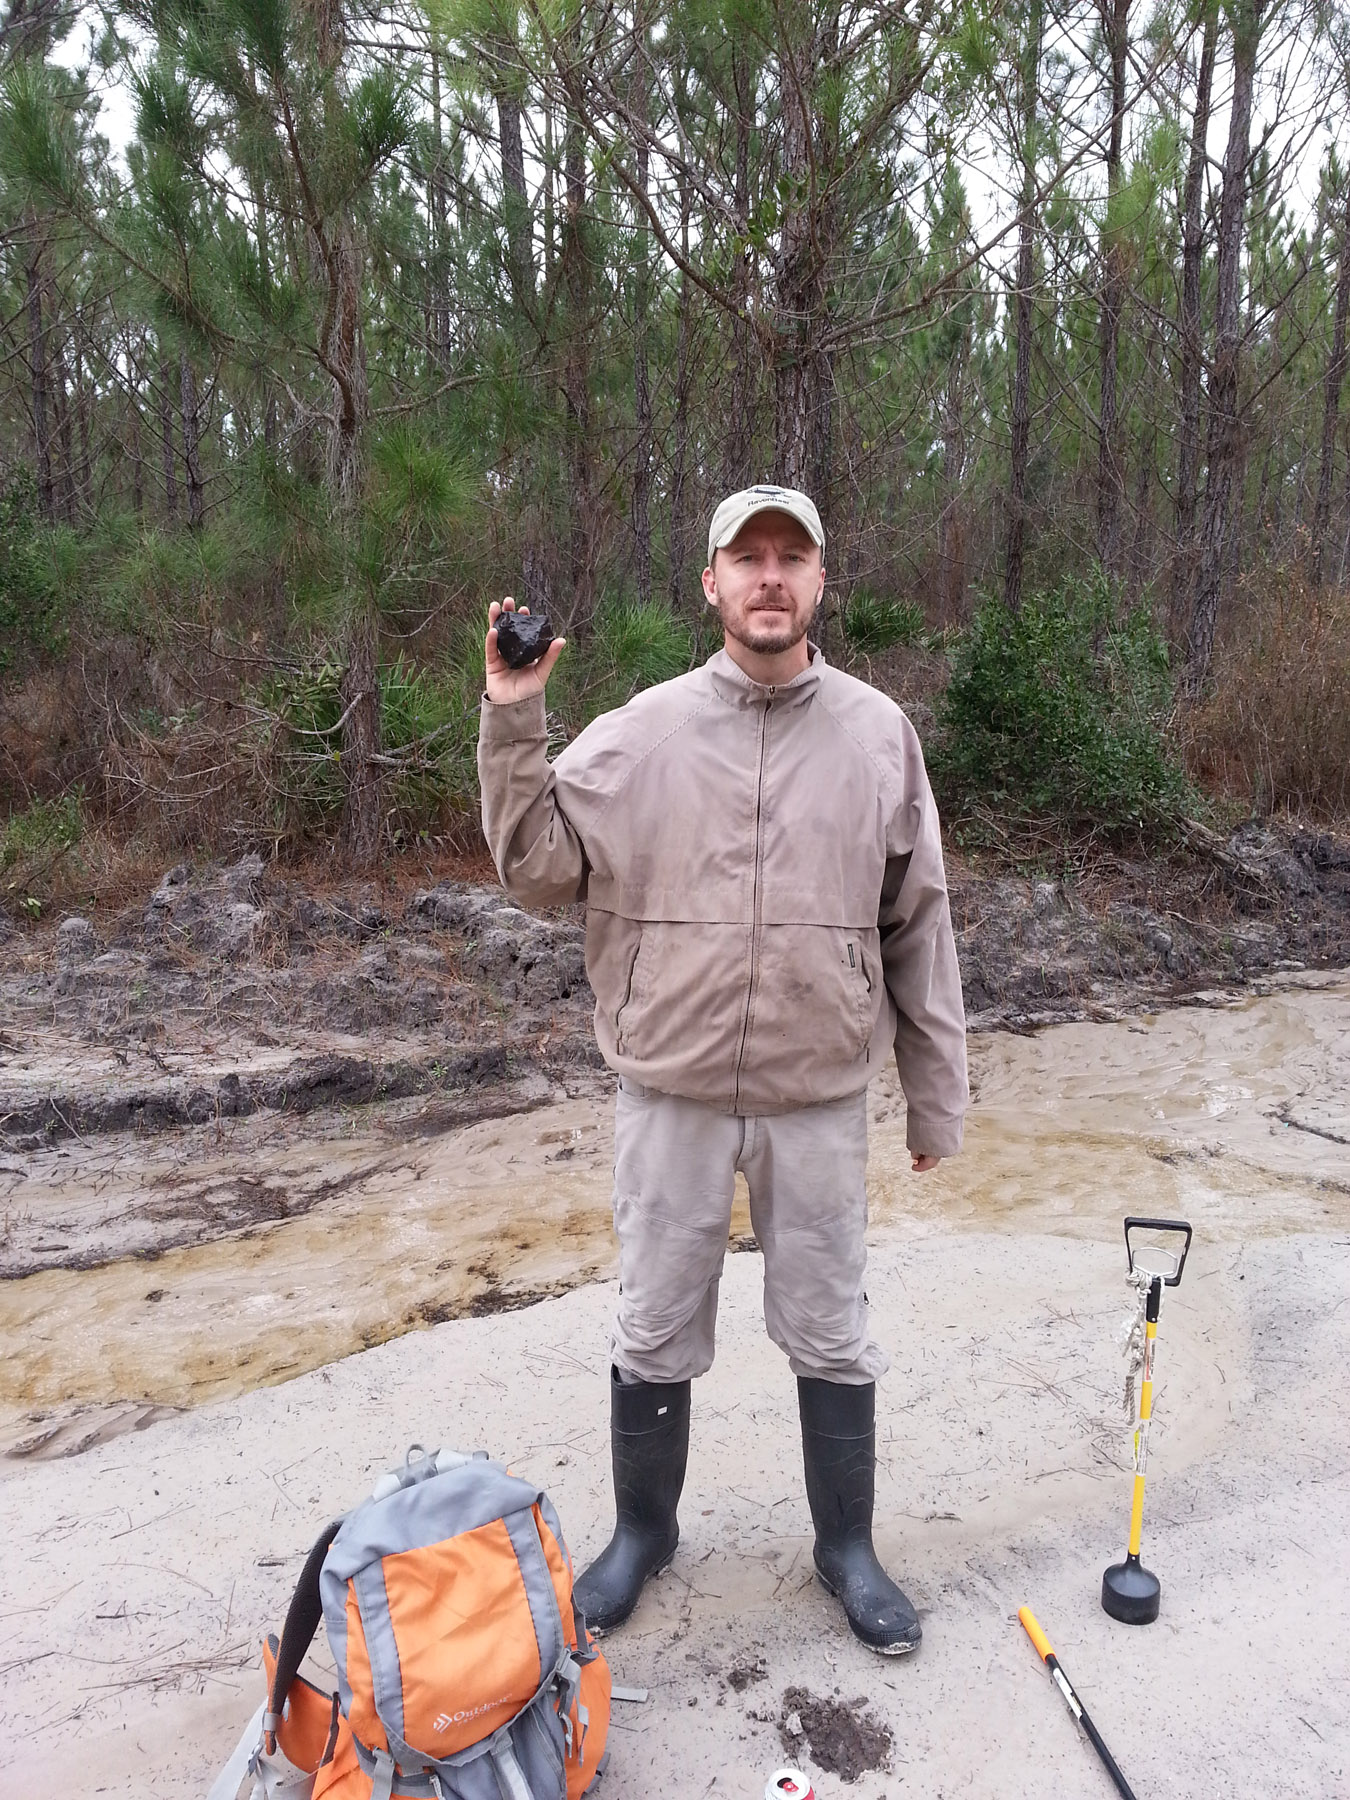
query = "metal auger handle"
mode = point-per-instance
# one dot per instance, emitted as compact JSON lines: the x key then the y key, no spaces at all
{"x":1173,"y":1280}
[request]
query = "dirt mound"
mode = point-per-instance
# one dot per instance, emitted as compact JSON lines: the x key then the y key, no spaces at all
{"x":233,"y":989}
{"x":842,"y":1737}
{"x":1126,"y":933}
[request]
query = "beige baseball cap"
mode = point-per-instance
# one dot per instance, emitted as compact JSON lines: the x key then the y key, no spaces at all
{"x":733,"y":512}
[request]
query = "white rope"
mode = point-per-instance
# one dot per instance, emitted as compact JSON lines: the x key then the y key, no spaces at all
{"x":1133,"y":1336}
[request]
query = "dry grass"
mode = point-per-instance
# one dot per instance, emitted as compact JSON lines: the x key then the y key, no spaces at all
{"x":167,"y":747}
{"x":1275,"y":732}
{"x":107,"y":874}
{"x":46,"y":745}
{"x":914,"y":676}
{"x":103,"y":874}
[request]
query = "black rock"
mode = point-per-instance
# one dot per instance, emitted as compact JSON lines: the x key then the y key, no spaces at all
{"x":522,"y":638}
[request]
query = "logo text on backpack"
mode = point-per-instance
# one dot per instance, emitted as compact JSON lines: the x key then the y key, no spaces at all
{"x":444,"y":1721}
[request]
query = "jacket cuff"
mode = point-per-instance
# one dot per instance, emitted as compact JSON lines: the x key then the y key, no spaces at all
{"x":934,"y":1136}
{"x":517,"y":722}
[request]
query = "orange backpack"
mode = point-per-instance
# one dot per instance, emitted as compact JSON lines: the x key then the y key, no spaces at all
{"x":465,"y":1671}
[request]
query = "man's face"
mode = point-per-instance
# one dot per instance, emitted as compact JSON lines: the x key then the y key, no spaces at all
{"x":766,"y":583}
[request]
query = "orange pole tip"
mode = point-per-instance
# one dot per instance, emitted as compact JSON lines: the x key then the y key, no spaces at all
{"x":1031,"y":1625}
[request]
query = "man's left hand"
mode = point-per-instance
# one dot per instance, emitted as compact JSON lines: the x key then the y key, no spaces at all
{"x":922,"y":1164}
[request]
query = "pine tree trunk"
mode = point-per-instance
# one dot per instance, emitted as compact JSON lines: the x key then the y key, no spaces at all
{"x":438,"y":290}
{"x":83,"y":409}
{"x":803,"y":372}
{"x":263,"y":233}
{"x":1192,"y":253}
{"x":679,"y":528}
{"x":134,"y":451}
{"x":792,"y":400}
{"x":167,"y":446}
{"x":1224,"y":447}
{"x":739,"y":435}
{"x":515,"y":194}
{"x":1115,"y":23}
{"x":335,"y":235}
{"x":550,"y":199}
{"x":37,"y":351}
{"x":1331,"y":398}
{"x":340,"y":257}
{"x":361,"y":808}
{"x":360,"y":690}
{"x":826,"y":149}
{"x":951,"y":536}
{"x":642,"y":394}
{"x":187,"y":388}
{"x":65,"y":470}
{"x":1020,"y":420}
{"x":518,"y":253}
{"x":344,"y":350}
{"x":577,"y":383}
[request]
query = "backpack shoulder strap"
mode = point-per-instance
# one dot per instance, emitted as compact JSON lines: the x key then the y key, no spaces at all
{"x":302,"y":1621}
{"x":226,"y":1784}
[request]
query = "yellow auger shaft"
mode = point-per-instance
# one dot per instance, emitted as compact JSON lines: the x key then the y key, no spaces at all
{"x":1130,"y":1592}
{"x":1145,"y":1417}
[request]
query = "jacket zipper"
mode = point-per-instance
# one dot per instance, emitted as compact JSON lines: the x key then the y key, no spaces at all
{"x":756,"y":901}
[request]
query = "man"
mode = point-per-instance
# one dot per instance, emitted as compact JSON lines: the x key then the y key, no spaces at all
{"x":758,"y":849}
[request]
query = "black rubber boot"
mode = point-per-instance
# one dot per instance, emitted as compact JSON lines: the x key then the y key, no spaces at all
{"x":839,"y":1450}
{"x":649,"y":1437}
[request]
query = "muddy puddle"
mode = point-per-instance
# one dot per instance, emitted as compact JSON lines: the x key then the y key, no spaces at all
{"x":200,"y":1263}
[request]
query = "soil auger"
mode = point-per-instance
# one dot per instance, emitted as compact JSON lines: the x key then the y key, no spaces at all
{"x":1130,"y":1592}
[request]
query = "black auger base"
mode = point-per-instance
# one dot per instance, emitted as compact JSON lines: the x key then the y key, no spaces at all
{"x":1130,"y":1593}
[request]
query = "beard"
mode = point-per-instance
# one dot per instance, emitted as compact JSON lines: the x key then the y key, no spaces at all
{"x":769,"y":634}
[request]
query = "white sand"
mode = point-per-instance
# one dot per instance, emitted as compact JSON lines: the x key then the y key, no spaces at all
{"x":139,"y":1577}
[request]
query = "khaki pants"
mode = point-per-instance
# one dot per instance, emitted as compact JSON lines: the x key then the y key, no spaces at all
{"x":675,"y":1164}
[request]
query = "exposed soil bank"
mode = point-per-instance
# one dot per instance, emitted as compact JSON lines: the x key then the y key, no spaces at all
{"x":233,"y":991}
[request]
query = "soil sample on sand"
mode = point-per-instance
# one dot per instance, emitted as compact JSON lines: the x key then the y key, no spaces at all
{"x":843,"y":1738}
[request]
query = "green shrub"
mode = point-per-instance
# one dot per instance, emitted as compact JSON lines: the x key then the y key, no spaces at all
{"x":428,"y":725}
{"x":1060,"y":711}
{"x":34,"y":845}
{"x":30,"y":615}
{"x":873,"y":624}
{"x":630,"y":646}
{"x":44,"y":829}
{"x":138,"y":577}
{"x":430,"y":719}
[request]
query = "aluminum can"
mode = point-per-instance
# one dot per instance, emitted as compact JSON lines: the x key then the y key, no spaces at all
{"x":789,"y":1784}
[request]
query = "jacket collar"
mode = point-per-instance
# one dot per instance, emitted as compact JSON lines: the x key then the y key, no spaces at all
{"x":730,"y":682}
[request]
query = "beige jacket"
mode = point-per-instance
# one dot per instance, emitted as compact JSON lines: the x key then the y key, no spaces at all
{"x":762,"y":870}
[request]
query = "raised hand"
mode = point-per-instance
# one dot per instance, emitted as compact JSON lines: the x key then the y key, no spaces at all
{"x":504,"y":684}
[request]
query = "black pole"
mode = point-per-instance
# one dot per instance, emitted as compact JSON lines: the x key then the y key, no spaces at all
{"x":1032,"y":1626}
